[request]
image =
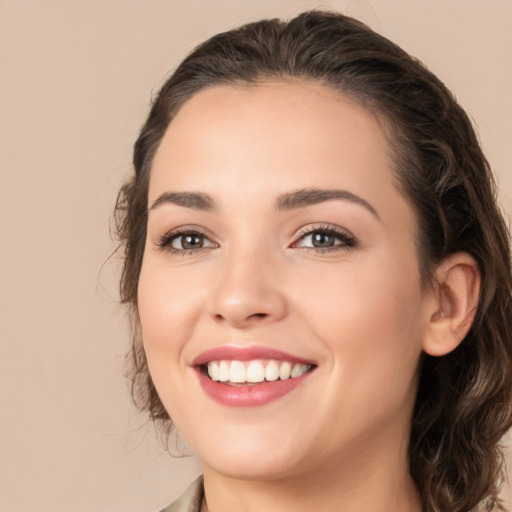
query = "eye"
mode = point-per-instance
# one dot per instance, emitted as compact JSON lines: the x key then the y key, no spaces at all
{"x":325,"y":238}
{"x":185,"y":241}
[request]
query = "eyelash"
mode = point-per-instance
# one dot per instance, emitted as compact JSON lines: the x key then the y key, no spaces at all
{"x":165,"y":243}
{"x":346,"y":239}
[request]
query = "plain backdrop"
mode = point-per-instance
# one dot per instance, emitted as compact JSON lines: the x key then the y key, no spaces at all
{"x":76,"y":77}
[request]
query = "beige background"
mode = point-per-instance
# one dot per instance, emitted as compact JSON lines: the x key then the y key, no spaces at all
{"x":75,"y":80}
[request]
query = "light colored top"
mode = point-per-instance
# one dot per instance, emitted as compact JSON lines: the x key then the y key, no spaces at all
{"x":190,"y":500}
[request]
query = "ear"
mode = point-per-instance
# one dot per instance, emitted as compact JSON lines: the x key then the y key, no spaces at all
{"x":452,"y":304}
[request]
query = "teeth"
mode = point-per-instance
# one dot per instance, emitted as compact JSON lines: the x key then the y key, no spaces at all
{"x":285,"y":370}
{"x":223,"y":371}
{"x":272,"y":371}
{"x":237,"y":372}
{"x":213,"y":371}
{"x":255,"y":371}
{"x":298,"y":370}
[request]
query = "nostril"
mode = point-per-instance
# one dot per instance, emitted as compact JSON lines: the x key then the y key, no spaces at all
{"x":219,"y":317}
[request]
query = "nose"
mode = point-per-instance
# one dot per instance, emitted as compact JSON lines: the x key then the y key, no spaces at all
{"x":248,"y":291}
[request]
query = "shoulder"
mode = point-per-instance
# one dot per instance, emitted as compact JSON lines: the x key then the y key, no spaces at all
{"x":190,"y":500}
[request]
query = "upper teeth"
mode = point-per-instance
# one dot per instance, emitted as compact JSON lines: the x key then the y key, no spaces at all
{"x":255,"y":371}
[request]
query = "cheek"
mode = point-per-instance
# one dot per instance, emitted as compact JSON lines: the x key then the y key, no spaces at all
{"x":365,"y":297}
{"x":167,"y":311}
{"x":167,"y":303}
{"x":167,"y":315}
{"x":371,"y":323}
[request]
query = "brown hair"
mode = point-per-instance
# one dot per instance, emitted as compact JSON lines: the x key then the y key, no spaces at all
{"x":463,"y":405}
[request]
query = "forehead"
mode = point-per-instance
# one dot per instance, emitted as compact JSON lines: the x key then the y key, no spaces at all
{"x":269,"y":127}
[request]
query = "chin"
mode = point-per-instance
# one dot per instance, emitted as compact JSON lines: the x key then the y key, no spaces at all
{"x":249,"y":457}
{"x":257,"y":467}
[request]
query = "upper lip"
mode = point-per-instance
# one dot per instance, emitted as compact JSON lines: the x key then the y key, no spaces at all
{"x":235,"y":353}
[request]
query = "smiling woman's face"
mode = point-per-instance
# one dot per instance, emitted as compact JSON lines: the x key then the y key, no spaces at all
{"x":278,"y":243}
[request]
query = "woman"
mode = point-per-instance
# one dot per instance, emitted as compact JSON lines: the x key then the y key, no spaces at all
{"x":319,"y":277}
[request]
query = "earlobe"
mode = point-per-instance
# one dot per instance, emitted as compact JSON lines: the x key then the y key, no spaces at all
{"x":452,"y":304}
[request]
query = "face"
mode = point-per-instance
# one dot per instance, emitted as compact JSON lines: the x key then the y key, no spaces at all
{"x":280,"y":296}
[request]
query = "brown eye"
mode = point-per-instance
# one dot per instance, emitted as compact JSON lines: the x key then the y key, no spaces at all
{"x":326,"y":239}
{"x":185,"y":241}
{"x":188,"y":241}
{"x":323,"y":240}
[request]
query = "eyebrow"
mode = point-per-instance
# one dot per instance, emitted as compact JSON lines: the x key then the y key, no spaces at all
{"x":195,"y":200}
{"x":290,"y":201}
{"x":307,"y":197}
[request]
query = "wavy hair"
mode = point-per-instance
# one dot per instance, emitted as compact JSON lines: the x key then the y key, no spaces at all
{"x":463,"y":405}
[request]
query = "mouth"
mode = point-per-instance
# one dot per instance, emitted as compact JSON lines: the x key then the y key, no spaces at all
{"x":256,"y":371}
{"x":250,"y":376}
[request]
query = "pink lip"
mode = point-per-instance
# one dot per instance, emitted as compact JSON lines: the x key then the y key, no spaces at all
{"x":232,"y":353}
{"x":250,"y":395}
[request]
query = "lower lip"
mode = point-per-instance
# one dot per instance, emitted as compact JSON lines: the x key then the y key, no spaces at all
{"x":252,"y":395}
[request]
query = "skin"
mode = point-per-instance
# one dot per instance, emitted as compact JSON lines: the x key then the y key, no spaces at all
{"x":358,"y":310}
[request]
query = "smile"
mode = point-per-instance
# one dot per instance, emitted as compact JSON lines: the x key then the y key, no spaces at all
{"x":255,"y":371}
{"x":249,"y":376}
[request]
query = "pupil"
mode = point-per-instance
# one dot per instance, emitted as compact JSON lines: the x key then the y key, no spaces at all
{"x":322,"y":240}
{"x":191,"y":241}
